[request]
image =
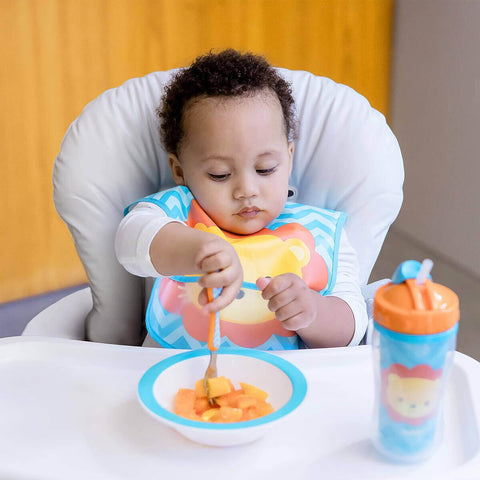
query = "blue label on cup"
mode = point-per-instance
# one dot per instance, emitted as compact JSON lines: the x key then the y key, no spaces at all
{"x":412,"y":373}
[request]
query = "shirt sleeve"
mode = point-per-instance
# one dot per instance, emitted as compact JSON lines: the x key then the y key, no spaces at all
{"x":134,"y":237}
{"x":347,"y":287}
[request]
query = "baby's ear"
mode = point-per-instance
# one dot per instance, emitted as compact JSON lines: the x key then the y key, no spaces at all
{"x":291,"y":150}
{"x":176,"y":168}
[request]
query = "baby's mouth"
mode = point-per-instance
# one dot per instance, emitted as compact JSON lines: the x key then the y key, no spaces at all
{"x":248,"y":212}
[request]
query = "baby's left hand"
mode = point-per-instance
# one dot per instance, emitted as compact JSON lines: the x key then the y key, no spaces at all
{"x":290,"y":298}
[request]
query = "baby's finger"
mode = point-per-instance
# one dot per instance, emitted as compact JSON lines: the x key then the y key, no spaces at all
{"x":213,"y":280}
{"x":226,"y":297}
{"x":276,"y":286}
{"x":288,"y":311}
{"x":222,"y":278}
{"x":218,"y":261}
{"x":282,"y":299}
{"x":203,"y":297}
{"x":262,"y":282}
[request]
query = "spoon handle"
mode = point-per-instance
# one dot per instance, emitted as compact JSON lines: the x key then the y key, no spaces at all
{"x":213,"y":341}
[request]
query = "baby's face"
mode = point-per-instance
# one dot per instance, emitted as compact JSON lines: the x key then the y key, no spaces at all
{"x":236,"y":160}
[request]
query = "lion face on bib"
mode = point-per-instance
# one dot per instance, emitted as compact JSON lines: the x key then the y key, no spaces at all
{"x":263,"y":254}
{"x":287,"y":249}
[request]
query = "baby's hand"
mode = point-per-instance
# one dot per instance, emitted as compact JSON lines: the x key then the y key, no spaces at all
{"x":221,"y":268}
{"x":290,"y":298}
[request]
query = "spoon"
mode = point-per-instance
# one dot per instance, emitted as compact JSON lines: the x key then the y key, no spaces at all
{"x":213,"y":341}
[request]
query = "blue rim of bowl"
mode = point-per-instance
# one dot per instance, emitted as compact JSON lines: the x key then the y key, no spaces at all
{"x":147,"y":398}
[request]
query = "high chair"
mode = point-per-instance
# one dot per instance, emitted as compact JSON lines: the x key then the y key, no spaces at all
{"x":346,"y":158}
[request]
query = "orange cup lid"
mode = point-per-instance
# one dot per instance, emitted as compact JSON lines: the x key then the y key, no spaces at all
{"x":416,"y":309}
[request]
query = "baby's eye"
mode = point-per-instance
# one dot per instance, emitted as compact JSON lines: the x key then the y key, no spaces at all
{"x":266,"y":171}
{"x":218,"y":178}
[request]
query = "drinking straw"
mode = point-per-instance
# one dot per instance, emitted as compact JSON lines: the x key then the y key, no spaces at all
{"x":424,"y":271}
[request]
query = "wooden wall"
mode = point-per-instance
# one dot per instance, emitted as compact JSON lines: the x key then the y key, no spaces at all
{"x":57,"y":55}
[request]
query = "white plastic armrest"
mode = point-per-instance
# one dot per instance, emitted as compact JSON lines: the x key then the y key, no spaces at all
{"x":63,"y":319}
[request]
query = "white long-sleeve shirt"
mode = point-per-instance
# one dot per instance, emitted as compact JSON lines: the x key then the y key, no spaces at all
{"x":137,"y":230}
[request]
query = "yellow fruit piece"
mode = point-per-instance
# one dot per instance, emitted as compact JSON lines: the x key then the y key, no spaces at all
{"x":200,"y":389}
{"x":210,"y":414}
{"x":254,"y":392}
{"x":218,"y":386}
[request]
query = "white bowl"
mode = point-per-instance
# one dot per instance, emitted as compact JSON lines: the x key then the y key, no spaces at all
{"x":285,"y":384}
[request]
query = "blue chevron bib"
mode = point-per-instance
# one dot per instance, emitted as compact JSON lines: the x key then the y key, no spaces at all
{"x":302,"y":240}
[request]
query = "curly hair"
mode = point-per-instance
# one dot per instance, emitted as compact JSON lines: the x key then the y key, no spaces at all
{"x":225,"y":74}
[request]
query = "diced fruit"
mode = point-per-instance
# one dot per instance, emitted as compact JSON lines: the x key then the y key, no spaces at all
{"x":246,"y":403}
{"x":209,"y":414}
{"x":184,"y":403}
{"x":200,"y":389}
{"x":230,"y":399}
{"x":264,"y":408}
{"x":200,"y":405}
{"x":229,"y":414}
{"x":218,"y":386}
{"x":254,"y":391}
{"x":249,"y":413}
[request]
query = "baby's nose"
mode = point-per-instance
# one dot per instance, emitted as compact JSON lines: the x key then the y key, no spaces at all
{"x":246,"y":188}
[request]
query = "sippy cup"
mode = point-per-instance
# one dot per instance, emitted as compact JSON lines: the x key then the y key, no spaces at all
{"x":414,"y":338}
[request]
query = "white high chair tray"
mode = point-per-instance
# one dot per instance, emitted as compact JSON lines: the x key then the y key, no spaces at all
{"x":69,"y":409}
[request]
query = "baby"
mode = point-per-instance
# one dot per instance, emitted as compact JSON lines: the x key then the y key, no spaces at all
{"x":228,"y":125}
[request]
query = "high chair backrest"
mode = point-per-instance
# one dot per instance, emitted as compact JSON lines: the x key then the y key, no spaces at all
{"x":346,"y":158}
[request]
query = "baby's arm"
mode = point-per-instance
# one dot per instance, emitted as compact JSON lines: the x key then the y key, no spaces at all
{"x":322,"y":321}
{"x":149,"y":244}
{"x":180,"y":250}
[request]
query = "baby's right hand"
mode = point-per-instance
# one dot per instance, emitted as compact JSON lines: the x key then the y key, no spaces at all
{"x":221,"y":268}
